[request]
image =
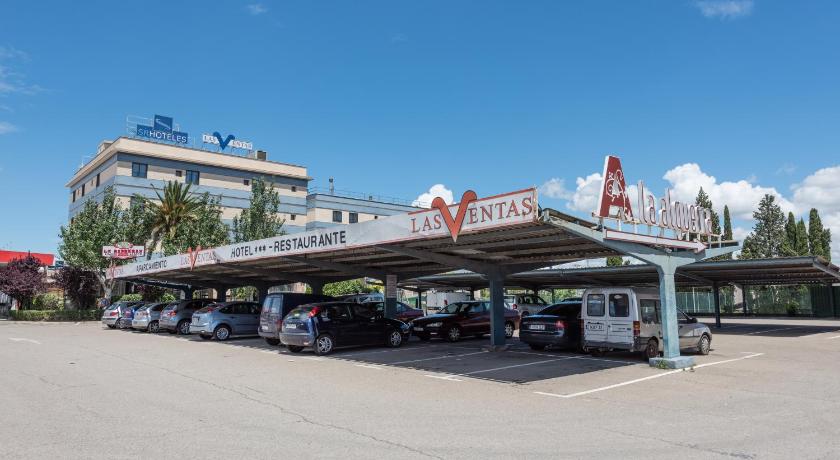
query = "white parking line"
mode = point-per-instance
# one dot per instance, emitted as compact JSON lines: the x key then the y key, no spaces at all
{"x":832,"y":338}
{"x":17,"y":339}
{"x":650,"y":377}
{"x":575,"y":357}
{"x":773,"y":330}
{"x":444,"y":377}
{"x":433,"y":358}
{"x":512,"y":366}
{"x":369,"y":366}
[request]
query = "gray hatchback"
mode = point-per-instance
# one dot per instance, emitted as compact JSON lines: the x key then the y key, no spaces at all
{"x":222,"y":320}
{"x":176,"y":317}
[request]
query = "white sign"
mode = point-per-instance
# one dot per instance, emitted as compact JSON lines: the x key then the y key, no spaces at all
{"x":458,"y":219}
{"x":237,"y":144}
{"x":123,"y":251}
{"x":390,"y":286}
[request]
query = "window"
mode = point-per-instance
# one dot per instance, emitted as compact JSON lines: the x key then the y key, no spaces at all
{"x":228,"y":310}
{"x":595,"y":305}
{"x":192,"y":177}
{"x":354,"y":217}
{"x":246,"y":181}
{"x":294,"y":188}
{"x":336,"y":312}
{"x":366,"y":311}
{"x":97,"y":179}
{"x":293,"y":216}
{"x":83,"y":189}
{"x":337,"y":216}
{"x":139,"y":170}
{"x":649,"y":310}
{"x":74,"y":196}
{"x":619,"y":305}
{"x":179,"y":173}
{"x":375,"y":217}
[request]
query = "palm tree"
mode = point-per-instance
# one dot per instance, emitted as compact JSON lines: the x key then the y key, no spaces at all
{"x":175,"y":208}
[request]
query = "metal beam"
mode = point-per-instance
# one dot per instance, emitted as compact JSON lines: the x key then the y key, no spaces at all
{"x":443,"y":259}
{"x":338,"y":267}
{"x":826,"y":270}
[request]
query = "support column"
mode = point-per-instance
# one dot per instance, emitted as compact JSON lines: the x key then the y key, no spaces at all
{"x":472,"y":294}
{"x":221,"y":293}
{"x":716,"y":294}
{"x":418,"y":302}
{"x":745,"y":289}
{"x":831,"y":300}
{"x":317,"y":287}
{"x":262,"y":293}
{"x":668,"y":320}
{"x":497,"y":312}
{"x":188,"y":293}
{"x":390,"y":296}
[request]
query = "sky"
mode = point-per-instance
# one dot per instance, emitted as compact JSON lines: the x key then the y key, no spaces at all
{"x":417,"y":99}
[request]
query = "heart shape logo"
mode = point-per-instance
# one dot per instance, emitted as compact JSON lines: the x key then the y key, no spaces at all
{"x":193,"y":255}
{"x":223,"y":143}
{"x":454,"y":225}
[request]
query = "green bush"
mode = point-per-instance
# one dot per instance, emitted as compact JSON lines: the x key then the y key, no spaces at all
{"x":791,"y":309}
{"x":47,"y":301}
{"x":168,"y":297}
{"x":55,"y":315}
{"x":131,"y":297}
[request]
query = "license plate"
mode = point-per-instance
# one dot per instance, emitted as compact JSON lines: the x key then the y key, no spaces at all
{"x":418,"y":329}
{"x":537,"y":327}
{"x":264,"y":327}
{"x":595,"y":327}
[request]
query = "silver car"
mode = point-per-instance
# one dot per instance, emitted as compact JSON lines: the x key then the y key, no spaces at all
{"x":526,"y":304}
{"x":223,"y":320}
{"x":147,"y":318}
{"x":111,"y":316}
{"x":176,"y":317}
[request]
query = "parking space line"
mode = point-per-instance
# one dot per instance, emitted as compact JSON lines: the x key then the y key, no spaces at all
{"x":444,"y":377}
{"x":650,"y":377}
{"x":832,"y":338}
{"x":773,"y":330}
{"x":512,"y":366}
{"x":590,"y":358}
{"x":369,"y":366}
{"x":433,"y":358}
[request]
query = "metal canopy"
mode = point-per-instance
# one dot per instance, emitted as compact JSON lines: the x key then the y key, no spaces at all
{"x":793,"y":270}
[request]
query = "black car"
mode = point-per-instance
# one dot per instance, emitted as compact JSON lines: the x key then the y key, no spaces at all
{"x":557,"y":326}
{"x":329,"y":325}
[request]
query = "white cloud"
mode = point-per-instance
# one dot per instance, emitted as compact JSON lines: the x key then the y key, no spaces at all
{"x":438,"y":190}
{"x":741,"y":196}
{"x":257,"y":9}
{"x":724,"y":9}
{"x":6,"y":127}
{"x":820,"y":190}
{"x":555,"y":188}
{"x":10,"y":52}
{"x":585,"y":197}
{"x":786,"y":169}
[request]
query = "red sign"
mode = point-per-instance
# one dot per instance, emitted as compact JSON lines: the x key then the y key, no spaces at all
{"x":614,"y":191}
{"x":123,"y":251}
{"x":8,"y":256}
{"x":454,"y":225}
{"x":193,"y":255}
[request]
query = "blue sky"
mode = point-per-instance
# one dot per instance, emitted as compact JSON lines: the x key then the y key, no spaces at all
{"x":392,"y":97}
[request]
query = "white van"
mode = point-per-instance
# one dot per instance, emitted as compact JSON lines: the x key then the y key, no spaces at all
{"x":623,"y":318}
{"x":437,"y":300}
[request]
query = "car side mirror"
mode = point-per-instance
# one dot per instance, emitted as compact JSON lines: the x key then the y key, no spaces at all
{"x":692,"y":320}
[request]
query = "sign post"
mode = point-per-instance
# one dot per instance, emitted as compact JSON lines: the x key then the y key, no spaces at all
{"x":390,"y":296}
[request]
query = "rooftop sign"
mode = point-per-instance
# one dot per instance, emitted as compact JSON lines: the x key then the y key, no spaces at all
{"x":162,"y":130}
{"x":470,"y":216}
{"x":225,"y":142}
{"x":123,"y":251}
{"x":683,"y":219}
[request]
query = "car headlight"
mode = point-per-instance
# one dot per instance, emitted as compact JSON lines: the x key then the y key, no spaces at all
{"x":437,"y":324}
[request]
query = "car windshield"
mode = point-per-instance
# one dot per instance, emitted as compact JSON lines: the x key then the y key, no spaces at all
{"x":207,"y":309}
{"x":300,"y":312}
{"x":455,"y":307}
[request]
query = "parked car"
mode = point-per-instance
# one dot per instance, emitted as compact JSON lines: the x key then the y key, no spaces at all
{"x":526,"y":304}
{"x":460,"y":319}
{"x":363,"y":297}
{"x":222,"y":320}
{"x":330,"y":325}
{"x":621,"y":318}
{"x":404,"y":312}
{"x":127,"y":315}
{"x":556,"y":326}
{"x":436,"y":300}
{"x":276,"y":306}
{"x":176,"y":316}
{"x":111,"y":315}
{"x":147,"y":318}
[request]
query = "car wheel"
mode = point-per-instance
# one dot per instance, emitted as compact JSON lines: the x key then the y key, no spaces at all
{"x":294,"y":348}
{"x":111,"y":326}
{"x":184,"y":327}
{"x":524,"y":314}
{"x":154,"y":327}
{"x":205,"y":336}
{"x":221,"y":333}
{"x":536,"y":347}
{"x":704,"y":345}
{"x":454,"y":334}
{"x":509,"y":328}
{"x":652,"y":349}
{"x":424,"y":337}
{"x":272,"y":342}
{"x":324,"y":344}
{"x":395,"y":339}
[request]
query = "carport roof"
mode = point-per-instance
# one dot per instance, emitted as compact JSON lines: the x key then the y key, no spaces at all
{"x":790,"y":270}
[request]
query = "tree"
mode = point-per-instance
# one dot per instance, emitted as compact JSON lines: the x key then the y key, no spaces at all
{"x":261,"y":219}
{"x":615,"y":261}
{"x":768,"y":236}
{"x":22,"y":279}
{"x":347,"y":287}
{"x":819,"y":238}
{"x":801,"y":248}
{"x":96,"y":225}
{"x":80,"y":285}
{"x":704,"y":201}
{"x":727,"y":231}
{"x":176,"y":207}
{"x":790,"y":236}
{"x":203,"y":228}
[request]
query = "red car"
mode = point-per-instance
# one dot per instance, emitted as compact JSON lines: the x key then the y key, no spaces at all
{"x":462,"y":319}
{"x":404,"y":312}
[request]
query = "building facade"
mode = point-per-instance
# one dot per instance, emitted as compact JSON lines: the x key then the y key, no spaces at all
{"x":134,"y":166}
